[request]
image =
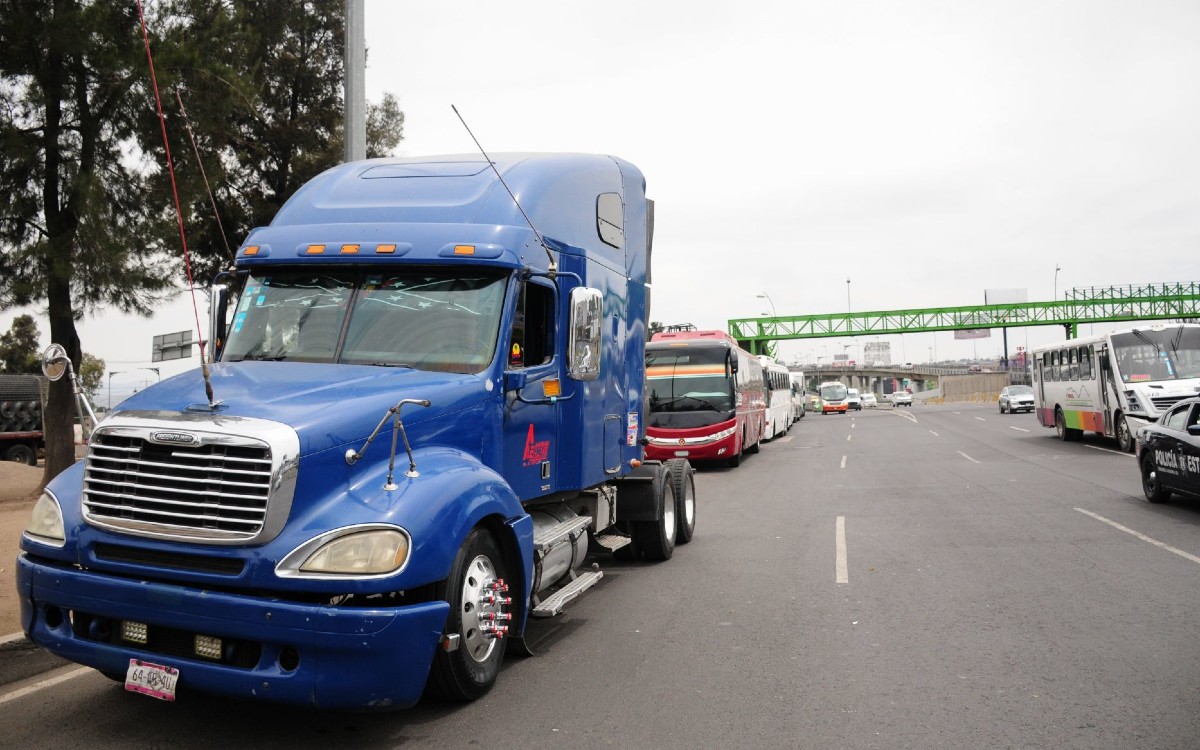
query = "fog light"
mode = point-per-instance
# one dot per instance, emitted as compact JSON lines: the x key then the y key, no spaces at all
{"x":134,"y":632}
{"x":208,"y":647}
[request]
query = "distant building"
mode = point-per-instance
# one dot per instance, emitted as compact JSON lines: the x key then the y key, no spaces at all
{"x":877,"y":353}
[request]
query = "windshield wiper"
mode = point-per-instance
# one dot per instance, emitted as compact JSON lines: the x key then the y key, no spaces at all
{"x":389,"y":364}
{"x":704,"y":401}
{"x":260,"y":358}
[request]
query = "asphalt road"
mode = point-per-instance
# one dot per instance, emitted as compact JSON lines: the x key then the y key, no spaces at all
{"x":996,"y":588}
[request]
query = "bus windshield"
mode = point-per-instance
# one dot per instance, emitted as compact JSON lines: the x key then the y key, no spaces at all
{"x":1166,"y":354}
{"x":833,"y":391}
{"x":688,"y":379}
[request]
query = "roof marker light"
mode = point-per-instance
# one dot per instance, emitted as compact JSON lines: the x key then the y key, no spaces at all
{"x":385,"y":248}
{"x":315,"y":249}
{"x":250,"y":250}
{"x":349,"y":249}
{"x":464,"y":249}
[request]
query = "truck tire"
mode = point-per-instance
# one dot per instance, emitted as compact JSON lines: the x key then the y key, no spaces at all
{"x":469,"y":671}
{"x":22,"y":454}
{"x":684,"y":484}
{"x":656,"y":539}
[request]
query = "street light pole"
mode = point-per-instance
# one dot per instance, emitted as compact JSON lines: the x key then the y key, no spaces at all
{"x":110,"y":376}
{"x":1057,"y":268}
{"x":767,"y":297}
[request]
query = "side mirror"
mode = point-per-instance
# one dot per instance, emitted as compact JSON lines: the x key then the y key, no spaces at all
{"x":55,"y":362}
{"x":733,"y":362}
{"x":585,"y":333}
{"x":1194,"y":430}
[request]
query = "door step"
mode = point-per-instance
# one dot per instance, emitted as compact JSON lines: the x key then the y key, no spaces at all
{"x":612,"y":542}
{"x":560,"y":531}
{"x":553,"y":604}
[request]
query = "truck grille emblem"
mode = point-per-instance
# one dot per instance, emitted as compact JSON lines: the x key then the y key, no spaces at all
{"x":174,"y":438}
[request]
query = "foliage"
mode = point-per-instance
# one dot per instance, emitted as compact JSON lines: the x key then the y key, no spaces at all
{"x":19,"y":348}
{"x":262,"y":86}
{"x":91,"y":375}
{"x":81,"y":153}
{"x":655,"y":327}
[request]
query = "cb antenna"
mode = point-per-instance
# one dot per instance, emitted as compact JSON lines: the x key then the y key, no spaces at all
{"x":552,"y":270}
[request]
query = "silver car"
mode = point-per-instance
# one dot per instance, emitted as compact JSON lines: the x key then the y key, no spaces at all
{"x":1016,"y":398}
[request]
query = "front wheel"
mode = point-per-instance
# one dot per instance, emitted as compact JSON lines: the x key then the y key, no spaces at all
{"x":1151,"y":485}
{"x":1124,"y":434}
{"x":478,"y":616}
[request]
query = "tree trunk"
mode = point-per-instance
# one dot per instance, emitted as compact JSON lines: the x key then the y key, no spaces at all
{"x":58,"y":423}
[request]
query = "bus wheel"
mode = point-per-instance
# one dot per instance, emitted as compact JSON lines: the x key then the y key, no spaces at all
{"x":1060,"y":427}
{"x":1154,"y":490}
{"x":736,"y":459}
{"x":469,"y":671}
{"x":1124,"y":436}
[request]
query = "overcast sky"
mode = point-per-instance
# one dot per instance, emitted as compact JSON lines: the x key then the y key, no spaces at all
{"x":926,"y":150}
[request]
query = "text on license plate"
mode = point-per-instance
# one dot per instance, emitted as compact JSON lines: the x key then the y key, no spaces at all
{"x":154,"y":680}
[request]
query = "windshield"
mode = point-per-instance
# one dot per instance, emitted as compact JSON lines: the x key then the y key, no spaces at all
{"x":1020,"y":390}
{"x":1166,"y":354}
{"x":833,"y":391}
{"x":431,"y":319}
{"x":688,"y":379}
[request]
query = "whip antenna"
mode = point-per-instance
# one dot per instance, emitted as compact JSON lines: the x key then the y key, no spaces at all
{"x":552,"y":270}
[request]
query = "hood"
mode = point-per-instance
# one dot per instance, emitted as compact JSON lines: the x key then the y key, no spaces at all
{"x":327,"y":405}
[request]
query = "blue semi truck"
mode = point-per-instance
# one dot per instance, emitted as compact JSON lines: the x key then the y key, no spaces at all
{"x":423,"y":414}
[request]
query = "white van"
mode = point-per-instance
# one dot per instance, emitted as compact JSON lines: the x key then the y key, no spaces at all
{"x":853,"y":400}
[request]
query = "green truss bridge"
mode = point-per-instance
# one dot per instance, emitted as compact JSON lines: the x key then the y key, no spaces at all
{"x":1079,"y":305}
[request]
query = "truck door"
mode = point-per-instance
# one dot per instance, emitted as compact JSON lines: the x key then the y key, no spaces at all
{"x":531,"y":381}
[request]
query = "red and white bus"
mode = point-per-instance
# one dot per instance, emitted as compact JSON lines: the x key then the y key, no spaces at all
{"x":706,"y":397}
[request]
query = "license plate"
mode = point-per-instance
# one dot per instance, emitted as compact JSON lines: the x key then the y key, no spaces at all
{"x":153,"y":680}
{"x":681,"y":454}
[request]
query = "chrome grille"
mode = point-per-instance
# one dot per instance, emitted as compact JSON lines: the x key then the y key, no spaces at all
{"x":214,"y":490}
{"x":1162,"y":403}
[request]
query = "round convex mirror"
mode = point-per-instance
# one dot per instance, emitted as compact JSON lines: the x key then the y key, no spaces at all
{"x":55,"y":361}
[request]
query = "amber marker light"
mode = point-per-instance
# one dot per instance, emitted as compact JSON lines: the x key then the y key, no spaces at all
{"x":464,"y":249}
{"x":551,"y":388}
{"x":349,"y":249}
{"x":315,"y":249}
{"x":250,"y":250}
{"x":385,"y":249}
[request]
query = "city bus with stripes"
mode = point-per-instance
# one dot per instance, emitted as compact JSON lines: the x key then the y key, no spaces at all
{"x":706,"y":400}
{"x":1114,"y":383}
{"x":777,"y":384}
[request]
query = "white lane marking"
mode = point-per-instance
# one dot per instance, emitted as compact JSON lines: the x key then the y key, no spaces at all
{"x":848,"y":438}
{"x":958,"y":412}
{"x":907,"y":416}
{"x":1107,"y":450}
{"x":852,"y":425}
{"x":43,"y":684}
{"x":1140,"y":535}
{"x":964,"y":455}
{"x":1022,"y":429}
{"x":931,"y":432}
{"x":981,"y":419}
{"x":843,"y":463}
{"x":840,"y":568}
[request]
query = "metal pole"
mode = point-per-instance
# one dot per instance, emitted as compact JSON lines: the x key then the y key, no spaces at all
{"x":355,"y":63}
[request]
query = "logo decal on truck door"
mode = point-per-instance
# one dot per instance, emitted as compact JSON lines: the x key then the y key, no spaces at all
{"x":536,"y":451}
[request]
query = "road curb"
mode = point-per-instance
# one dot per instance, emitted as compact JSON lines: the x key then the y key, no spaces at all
{"x":11,"y":638}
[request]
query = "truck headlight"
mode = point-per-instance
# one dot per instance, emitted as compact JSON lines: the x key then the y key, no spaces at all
{"x":46,"y":522}
{"x":372,"y":550}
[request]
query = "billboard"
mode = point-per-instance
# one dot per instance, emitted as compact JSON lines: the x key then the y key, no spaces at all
{"x":973,"y":333}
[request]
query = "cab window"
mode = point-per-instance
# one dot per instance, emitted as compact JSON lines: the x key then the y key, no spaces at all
{"x":531,"y":342}
{"x":1178,"y":419}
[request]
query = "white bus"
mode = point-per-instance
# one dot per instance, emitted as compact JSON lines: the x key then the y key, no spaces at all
{"x":777,"y":382}
{"x":1114,"y":383}
{"x":799,"y":397}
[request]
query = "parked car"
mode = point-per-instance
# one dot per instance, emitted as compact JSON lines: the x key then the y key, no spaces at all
{"x":901,"y":398}
{"x":869,"y":401}
{"x":853,"y":399}
{"x":1168,"y":453}
{"x":1016,"y":398}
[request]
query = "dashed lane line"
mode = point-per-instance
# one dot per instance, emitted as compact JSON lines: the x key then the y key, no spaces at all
{"x":841,"y":570}
{"x":843,"y":463}
{"x":1140,"y":535}
{"x":964,"y":455}
{"x":1021,"y":429}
